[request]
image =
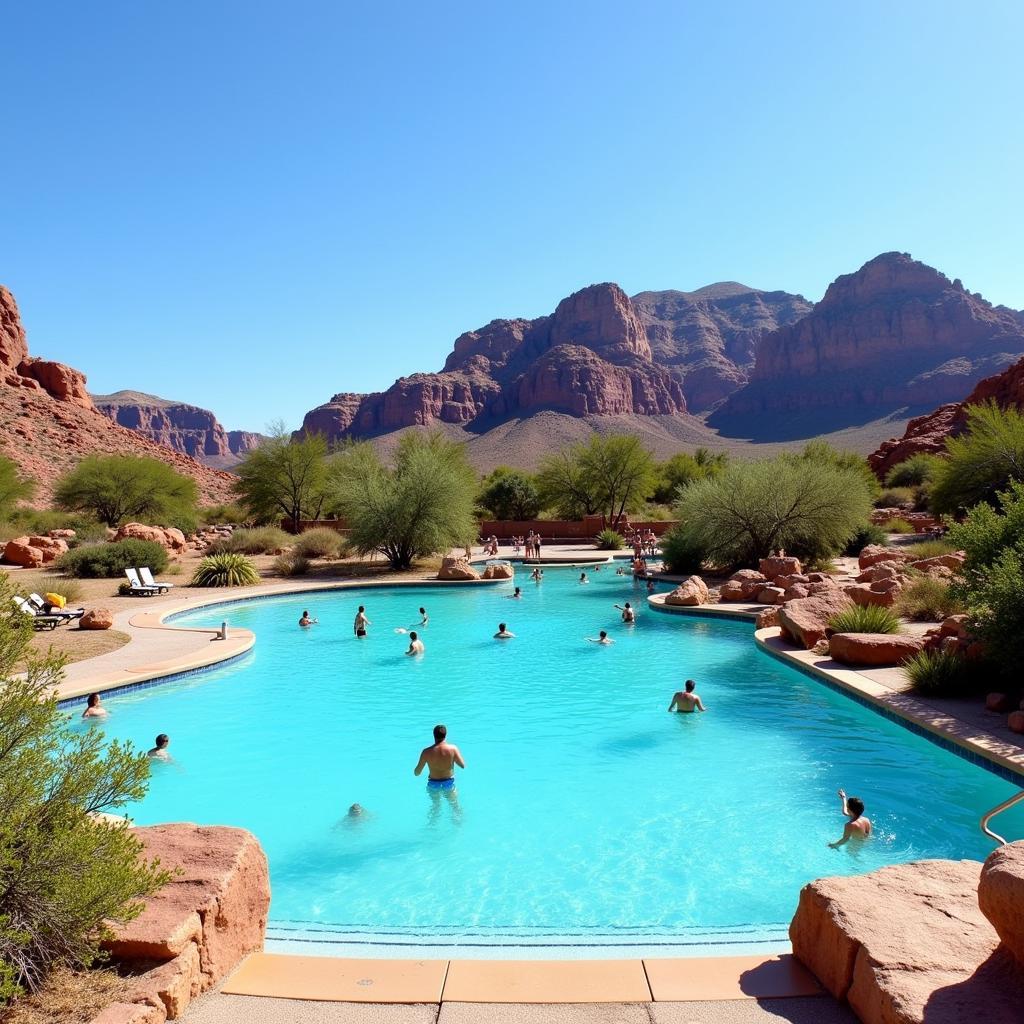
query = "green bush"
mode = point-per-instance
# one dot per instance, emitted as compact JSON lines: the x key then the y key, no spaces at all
{"x":509,"y":494}
{"x":290,"y":564}
{"x":871,"y":618}
{"x":941,"y":674}
{"x":869,"y":533}
{"x":13,"y":486}
{"x":918,"y":469}
{"x":930,"y":549}
{"x":610,"y":540}
{"x":895,"y":497}
{"x":323,"y":542}
{"x":107,"y":561}
{"x":225,"y":570}
{"x":897,"y":526}
{"x":63,"y":874}
{"x":926,"y":599}
{"x":221,"y":515}
{"x":260,"y":540}
{"x":40,"y":521}
{"x":680,"y":554}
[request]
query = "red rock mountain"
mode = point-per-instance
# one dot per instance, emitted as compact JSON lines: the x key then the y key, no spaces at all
{"x":185,"y":428}
{"x":929,"y":433}
{"x":893,"y":335}
{"x":711,"y":335}
{"x":48,"y":421}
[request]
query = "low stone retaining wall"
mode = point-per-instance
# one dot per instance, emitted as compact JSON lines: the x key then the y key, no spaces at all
{"x":198,"y":927}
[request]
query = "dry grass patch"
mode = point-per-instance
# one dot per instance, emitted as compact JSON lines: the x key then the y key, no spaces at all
{"x":69,"y":998}
{"x":78,"y":644}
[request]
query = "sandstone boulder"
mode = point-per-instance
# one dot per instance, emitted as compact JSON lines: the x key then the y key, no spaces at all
{"x":767,"y":617}
{"x":955,"y":625}
{"x":999,"y":702}
{"x":873,"y":648}
{"x":97,"y":618}
{"x":1015,"y":721}
{"x":498,"y":572}
{"x":874,"y":553}
{"x":691,"y":592}
{"x":170,"y":538}
{"x":20,"y":552}
{"x":1001,"y":895}
{"x":457,"y":569}
{"x":51,"y":547}
{"x":881,"y":571}
{"x":743,"y":585}
{"x":61,"y":534}
{"x":872,"y":594}
{"x":954,"y":562}
{"x":795,"y":591}
{"x":60,"y":381}
{"x":805,"y":621}
{"x":780,"y":565}
{"x":907,"y":944}
{"x":771,"y":595}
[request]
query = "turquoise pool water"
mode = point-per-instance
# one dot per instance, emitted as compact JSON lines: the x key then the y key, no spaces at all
{"x":587,"y":816}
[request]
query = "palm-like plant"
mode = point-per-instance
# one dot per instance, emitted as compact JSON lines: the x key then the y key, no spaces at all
{"x":225,"y":570}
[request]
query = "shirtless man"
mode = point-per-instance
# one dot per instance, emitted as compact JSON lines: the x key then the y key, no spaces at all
{"x":601,"y":638}
{"x":93,"y":708}
{"x":159,"y":752}
{"x":858,"y":827}
{"x":415,"y":644}
{"x":583,"y":578}
{"x":440,"y":758}
{"x":305,"y":622}
{"x":628,"y":614}
{"x":517,"y":596}
{"x":503,"y":632}
{"x":361,"y":622}
{"x":687,"y":700}
{"x":424,"y":618}
{"x":537,"y":575}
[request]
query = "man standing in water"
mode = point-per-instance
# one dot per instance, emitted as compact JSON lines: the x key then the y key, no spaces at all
{"x":440,"y":758}
{"x":687,"y":700}
{"x":415,"y":644}
{"x":858,"y":827}
{"x":361,"y":622}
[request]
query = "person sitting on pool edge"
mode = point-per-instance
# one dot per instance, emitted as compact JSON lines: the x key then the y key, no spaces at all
{"x":415,"y":644}
{"x":858,"y":827}
{"x":503,"y":632}
{"x":305,"y":622}
{"x":441,"y":758}
{"x":601,"y":638}
{"x":159,"y":752}
{"x":93,"y":708}
{"x":687,"y":700}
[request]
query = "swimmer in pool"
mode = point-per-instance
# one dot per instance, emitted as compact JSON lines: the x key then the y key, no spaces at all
{"x":601,"y":638}
{"x":858,"y":827}
{"x":93,"y":708}
{"x":628,"y":613}
{"x":424,"y":618}
{"x":305,"y":622}
{"x":440,"y":758}
{"x":515,"y":596}
{"x":503,"y":632}
{"x":361,"y":622}
{"x":415,"y":644}
{"x":583,"y":578}
{"x":159,"y":752}
{"x":537,"y":575}
{"x":687,"y":700}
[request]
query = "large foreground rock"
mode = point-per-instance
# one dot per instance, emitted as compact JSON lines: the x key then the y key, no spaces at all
{"x":691,"y":592}
{"x":908,"y":945}
{"x":457,"y":569}
{"x":1001,"y":897}
{"x":874,"y":648}
{"x":805,"y":620}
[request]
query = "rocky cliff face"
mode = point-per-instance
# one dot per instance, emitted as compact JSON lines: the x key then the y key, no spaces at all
{"x":711,"y":335}
{"x":184,"y":428}
{"x":929,"y":433}
{"x":48,"y":421}
{"x":591,"y":357}
{"x":895,"y":334}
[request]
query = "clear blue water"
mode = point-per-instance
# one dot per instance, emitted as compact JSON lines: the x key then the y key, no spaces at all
{"x":585,"y":810}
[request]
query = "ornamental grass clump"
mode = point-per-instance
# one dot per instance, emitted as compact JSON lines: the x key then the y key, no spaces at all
{"x":322,"y":542}
{"x":225,"y":570}
{"x":897,"y":526}
{"x":926,"y":599}
{"x":940,"y":673}
{"x":871,"y":618}
{"x":610,"y":540}
{"x":260,"y":540}
{"x":290,"y":564}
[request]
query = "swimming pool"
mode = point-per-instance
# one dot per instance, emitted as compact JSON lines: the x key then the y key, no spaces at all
{"x":589,"y":821}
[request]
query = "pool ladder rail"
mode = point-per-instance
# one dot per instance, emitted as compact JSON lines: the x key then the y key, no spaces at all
{"x":998,"y":809}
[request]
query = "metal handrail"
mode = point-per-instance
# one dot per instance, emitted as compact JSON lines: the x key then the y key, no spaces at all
{"x":988,"y":816}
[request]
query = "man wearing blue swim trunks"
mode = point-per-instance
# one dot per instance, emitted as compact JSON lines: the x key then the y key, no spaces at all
{"x":441,"y":759}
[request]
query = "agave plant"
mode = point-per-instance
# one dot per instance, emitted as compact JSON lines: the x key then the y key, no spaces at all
{"x":225,"y":570}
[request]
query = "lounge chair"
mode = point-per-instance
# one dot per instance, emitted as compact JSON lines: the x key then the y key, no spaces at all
{"x":39,"y":605}
{"x":39,"y":621}
{"x":136,"y":587}
{"x":147,"y":580}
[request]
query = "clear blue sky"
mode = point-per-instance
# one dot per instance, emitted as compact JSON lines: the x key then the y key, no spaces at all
{"x":253,"y":205}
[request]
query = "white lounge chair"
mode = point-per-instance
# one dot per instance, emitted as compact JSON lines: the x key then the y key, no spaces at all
{"x":39,"y":605}
{"x":147,"y":580}
{"x":136,"y":587}
{"x":39,"y":621}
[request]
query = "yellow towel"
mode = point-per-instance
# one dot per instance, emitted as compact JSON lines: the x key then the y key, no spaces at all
{"x":56,"y":600}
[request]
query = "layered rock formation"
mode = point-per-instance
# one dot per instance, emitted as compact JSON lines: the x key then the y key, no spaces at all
{"x":48,"y":421}
{"x":591,"y":357}
{"x":928,"y":433}
{"x":711,"y":335}
{"x":893,"y":335}
{"x":184,"y":428}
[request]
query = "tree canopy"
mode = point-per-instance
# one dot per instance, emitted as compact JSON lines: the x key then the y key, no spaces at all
{"x":681,"y":469}
{"x":509,"y":494}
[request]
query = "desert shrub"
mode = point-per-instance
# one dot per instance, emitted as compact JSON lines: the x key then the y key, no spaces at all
{"x":681,"y":554}
{"x":118,"y":488}
{"x":940,"y":673}
{"x":260,"y":540}
{"x":610,"y":540}
{"x":895,"y":497}
{"x":13,"y":486}
{"x":290,"y":564}
{"x":225,"y":570}
{"x":810,"y":508}
{"x":63,"y":874}
{"x":682,"y":469}
{"x":930,"y":549}
{"x":323,"y":542}
{"x":926,"y":599}
{"x":221,"y":515}
{"x":918,"y":469}
{"x":106,"y":561}
{"x":870,"y":618}
{"x":897,"y":526}
{"x":40,"y":521}
{"x":509,"y":494}
{"x":70,"y":589}
{"x":869,"y":533}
